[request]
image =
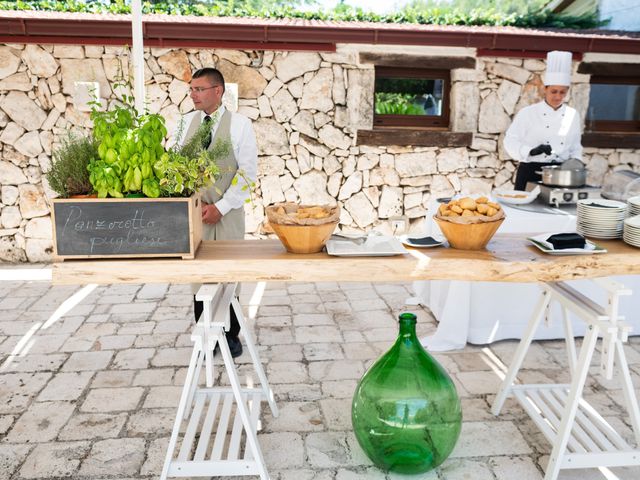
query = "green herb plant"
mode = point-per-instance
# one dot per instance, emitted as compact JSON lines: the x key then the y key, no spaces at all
{"x":128,"y":146}
{"x":68,"y":175}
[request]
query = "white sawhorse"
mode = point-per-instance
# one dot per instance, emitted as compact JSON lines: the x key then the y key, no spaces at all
{"x":214,"y":431}
{"x":581,"y":438}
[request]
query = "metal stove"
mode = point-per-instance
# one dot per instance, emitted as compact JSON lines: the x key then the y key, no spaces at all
{"x":564,"y":195}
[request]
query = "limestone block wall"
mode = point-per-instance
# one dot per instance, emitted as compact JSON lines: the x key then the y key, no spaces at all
{"x":306,"y":108}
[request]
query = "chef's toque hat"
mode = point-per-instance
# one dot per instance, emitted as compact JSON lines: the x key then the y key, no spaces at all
{"x":558,"y":68}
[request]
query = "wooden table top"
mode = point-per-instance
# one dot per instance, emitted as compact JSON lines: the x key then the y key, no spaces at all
{"x":508,"y":258}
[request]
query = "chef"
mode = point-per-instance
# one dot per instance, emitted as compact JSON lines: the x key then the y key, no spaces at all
{"x":547,"y":132}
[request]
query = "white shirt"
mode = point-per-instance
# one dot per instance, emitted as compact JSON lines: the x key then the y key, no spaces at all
{"x":243,"y":140}
{"x":540,"y":124}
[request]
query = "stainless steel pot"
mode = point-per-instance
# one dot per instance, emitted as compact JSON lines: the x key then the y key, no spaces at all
{"x":555,"y":176}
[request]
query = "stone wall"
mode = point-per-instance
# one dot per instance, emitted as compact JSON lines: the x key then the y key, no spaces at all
{"x":306,"y":108}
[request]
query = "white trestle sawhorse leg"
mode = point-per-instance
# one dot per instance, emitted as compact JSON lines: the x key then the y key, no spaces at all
{"x":581,"y":438}
{"x":214,"y":431}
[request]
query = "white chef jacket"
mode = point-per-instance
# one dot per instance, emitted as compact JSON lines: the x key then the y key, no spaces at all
{"x":243,"y":140}
{"x":540,"y":124}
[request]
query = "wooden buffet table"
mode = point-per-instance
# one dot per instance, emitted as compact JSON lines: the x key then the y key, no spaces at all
{"x":579,"y":437}
{"x":508,"y":258}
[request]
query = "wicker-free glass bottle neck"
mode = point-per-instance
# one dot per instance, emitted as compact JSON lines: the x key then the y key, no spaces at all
{"x":407,"y":323}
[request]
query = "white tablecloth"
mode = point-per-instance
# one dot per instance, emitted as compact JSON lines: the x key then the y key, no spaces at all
{"x":484,"y":312}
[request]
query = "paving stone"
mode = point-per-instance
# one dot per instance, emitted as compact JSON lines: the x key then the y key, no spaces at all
{"x":313,"y":319}
{"x":112,"y":399}
{"x":173,"y":314}
{"x":47,"y":343}
{"x":359,"y":351}
{"x":478,"y":383}
{"x":297,"y":288}
{"x":339,"y":388}
{"x":172,"y":357}
{"x":123,"y":456}
{"x":275,"y":336}
{"x":463,"y":469}
{"x":155,"y":458}
{"x":336,"y":370}
{"x":287,"y":372}
{"x":81,"y":361}
{"x":327,"y":450}
{"x":115,"y":299}
{"x":157,"y":376}
{"x":508,"y":468}
{"x":294,"y":392}
{"x":136,"y":328}
{"x":322,"y":351}
{"x":337,"y":413}
{"x":128,"y":308}
{"x":156,"y":340}
{"x":41,"y":423}
{"x":312,"y":308}
{"x":34,"y":363}
{"x":303,"y":474}
{"x":370,"y":473}
{"x":11,"y":456}
{"x":65,"y":386}
{"x":113,"y":379}
{"x":275,"y":455}
{"x":93,"y":425}
{"x":276,"y":321}
{"x":134,"y":359}
{"x":114,"y":342}
{"x":295,"y":417}
{"x":493,"y":438}
{"x":18,"y":389}
{"x":318,"y":334}
{"x":151,"y":421}
{"x":271,"y":311}
{"x":166,"y":396}
{"x":173,"y":326}
{"x":152,"y":291}
{"x":5,"y":423}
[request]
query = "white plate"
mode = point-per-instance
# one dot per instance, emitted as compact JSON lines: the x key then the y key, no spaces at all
{"x":373,"y":246}
{"x":406,"y":239}
{"x":515,"y":197}
{"x":540,"y":242}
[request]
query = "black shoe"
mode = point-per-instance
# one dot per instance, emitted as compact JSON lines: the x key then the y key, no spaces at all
{"x":235,"y":347}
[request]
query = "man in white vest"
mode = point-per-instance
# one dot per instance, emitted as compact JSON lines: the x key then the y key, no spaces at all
{"x":549,"y":131}
{"x":223,"y":202}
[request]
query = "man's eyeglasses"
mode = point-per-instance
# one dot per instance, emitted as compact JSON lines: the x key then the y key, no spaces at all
{"x":202,"y":89}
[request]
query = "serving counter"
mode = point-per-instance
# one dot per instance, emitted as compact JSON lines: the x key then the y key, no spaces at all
{"x":508,"y":258}
{"x":579,"y":437}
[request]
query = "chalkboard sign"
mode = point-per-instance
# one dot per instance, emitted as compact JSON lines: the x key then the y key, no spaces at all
{"x":124,"y":227}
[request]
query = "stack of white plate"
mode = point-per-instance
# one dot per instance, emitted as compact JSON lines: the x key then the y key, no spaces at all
{"x":601,"y":218}
{"x":632,"y":231}
{"x":633,"y":206}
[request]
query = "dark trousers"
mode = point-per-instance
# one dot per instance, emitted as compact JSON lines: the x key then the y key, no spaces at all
{"x":234,"y":326}
{"x":527,"y":173}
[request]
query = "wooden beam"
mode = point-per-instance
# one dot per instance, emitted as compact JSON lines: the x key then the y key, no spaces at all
{"x":414,"y":137}
{"x":417,"y":61}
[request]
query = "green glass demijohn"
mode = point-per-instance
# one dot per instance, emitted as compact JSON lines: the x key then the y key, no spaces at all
{"x":406,"y":412}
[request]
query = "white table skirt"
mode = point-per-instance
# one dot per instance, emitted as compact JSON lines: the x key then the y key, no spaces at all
{"x":485,"y":312}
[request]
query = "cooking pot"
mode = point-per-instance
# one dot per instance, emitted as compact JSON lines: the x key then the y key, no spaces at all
{"x":556,"y":176}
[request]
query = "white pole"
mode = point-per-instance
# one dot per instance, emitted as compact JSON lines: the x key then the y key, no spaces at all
{"x":137,"y":55}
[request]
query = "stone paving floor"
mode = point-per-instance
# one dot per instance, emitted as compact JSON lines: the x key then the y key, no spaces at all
{"x":90,"y":379}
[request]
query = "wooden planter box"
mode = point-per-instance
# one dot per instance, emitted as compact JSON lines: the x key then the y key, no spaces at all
{"x":126,"y":227}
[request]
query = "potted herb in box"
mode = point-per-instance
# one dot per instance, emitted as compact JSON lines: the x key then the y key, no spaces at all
{"x":147,"y":202}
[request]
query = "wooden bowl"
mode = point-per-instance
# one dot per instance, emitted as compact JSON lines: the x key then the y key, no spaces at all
{"x":468,"y":236}
{"x":304,"y":238}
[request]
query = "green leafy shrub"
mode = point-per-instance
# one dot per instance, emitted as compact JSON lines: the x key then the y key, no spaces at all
{"x":68,"y":174}
{"x":437,"y":15}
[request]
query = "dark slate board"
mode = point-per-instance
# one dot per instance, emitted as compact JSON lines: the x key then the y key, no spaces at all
{"x":112,"y":228}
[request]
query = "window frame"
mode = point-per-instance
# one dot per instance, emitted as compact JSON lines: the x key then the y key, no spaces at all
{"x":603,"y":126}
{"x":430,"y":122}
